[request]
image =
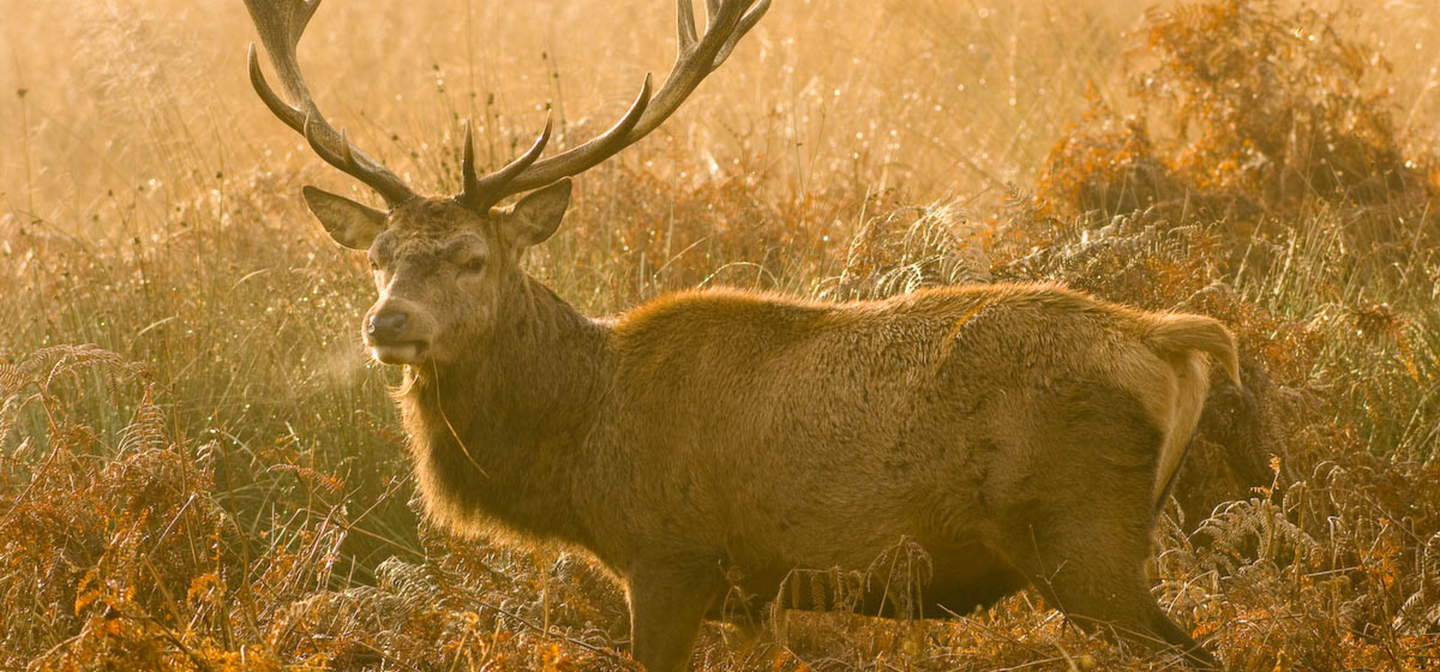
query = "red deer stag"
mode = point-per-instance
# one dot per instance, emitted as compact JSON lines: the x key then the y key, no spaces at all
{"x":1022,"y":434}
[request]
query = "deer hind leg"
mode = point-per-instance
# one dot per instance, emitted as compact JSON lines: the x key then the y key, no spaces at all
{"x":1101,"y":589}
{"x":1088,"y":559}
{"x":1084,"y":546}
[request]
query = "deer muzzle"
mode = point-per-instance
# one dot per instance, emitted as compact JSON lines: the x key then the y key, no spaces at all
{"x":389,"y":330}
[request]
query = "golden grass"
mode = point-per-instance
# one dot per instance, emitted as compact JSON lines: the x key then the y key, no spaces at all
{"x":219,"y":483}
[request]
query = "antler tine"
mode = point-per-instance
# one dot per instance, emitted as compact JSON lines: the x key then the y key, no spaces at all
{"x":481,"y":193}
{"x":342,"y":156}
{"x":594,"y":151}
{"x":696,"y":57}
{"x":685,"y":25}
{"x":747,"y":21}
{"x":280,"y":24}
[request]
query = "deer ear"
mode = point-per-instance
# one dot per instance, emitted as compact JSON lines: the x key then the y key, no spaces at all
{"x":536,"y":216}
{"x":351,"y":224}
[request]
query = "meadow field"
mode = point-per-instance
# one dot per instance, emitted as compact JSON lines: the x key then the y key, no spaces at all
{"x":200,"y":468}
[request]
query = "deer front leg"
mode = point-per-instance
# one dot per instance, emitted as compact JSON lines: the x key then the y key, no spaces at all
{"x":666,"y":609}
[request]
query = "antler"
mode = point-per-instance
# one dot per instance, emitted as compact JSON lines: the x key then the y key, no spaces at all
{"x":727,"y":22}
{"x":280,"y":24}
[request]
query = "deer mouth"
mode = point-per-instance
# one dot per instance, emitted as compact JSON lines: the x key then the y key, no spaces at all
{"x":402,"y":352}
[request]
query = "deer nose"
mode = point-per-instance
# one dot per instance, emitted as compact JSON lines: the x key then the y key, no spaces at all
{"x":387,"y":325}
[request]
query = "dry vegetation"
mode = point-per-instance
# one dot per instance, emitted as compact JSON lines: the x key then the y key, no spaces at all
{"x":200,"y":471}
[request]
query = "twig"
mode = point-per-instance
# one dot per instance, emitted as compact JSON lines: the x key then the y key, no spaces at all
{"x":601,"y":650}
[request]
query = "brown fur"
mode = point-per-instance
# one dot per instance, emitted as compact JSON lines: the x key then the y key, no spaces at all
{"x":1020,"y":433}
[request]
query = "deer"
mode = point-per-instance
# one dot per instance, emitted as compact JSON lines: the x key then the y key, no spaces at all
{"x":707,"y":443}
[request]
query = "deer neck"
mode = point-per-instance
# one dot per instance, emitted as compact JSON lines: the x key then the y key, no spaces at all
{"x":497,"y":438}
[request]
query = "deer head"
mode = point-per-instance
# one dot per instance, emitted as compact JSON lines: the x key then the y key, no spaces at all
{"x":448,"y":268}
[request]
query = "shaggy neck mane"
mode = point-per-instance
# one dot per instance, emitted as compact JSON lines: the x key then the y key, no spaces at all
{"x":496,"y":436}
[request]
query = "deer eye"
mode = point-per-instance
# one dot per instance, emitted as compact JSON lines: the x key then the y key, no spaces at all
{"x":473,"y":264}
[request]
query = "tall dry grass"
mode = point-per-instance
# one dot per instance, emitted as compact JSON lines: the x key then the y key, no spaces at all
{"x":216,"y":482}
